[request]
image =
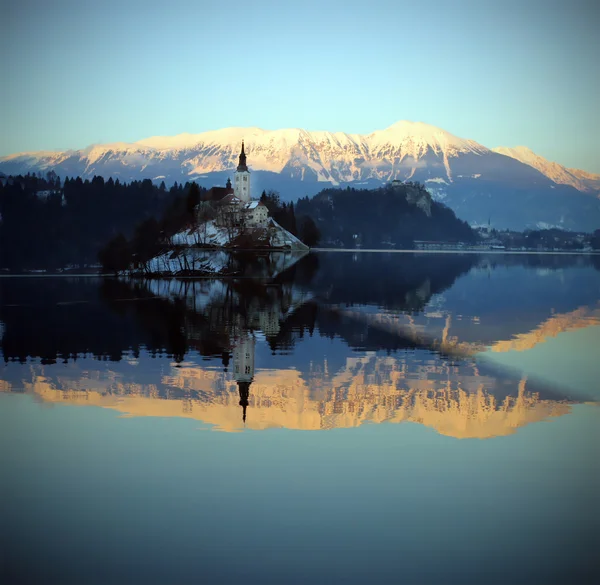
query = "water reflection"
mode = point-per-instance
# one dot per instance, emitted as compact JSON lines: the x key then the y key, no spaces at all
{"x":458,"y":401}
{"x":336,"y":341}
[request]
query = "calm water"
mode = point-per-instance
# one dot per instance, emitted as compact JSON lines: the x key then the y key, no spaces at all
{"x":356,"y":418}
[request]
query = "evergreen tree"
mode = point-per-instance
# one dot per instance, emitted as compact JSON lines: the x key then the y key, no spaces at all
{"x":146,"y":241}
{"x":116,"y":255}
{"x":309,"y":232}
{"x":192,"y":200}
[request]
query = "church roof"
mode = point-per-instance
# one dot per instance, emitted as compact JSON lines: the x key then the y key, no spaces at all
{"x":230,"y":199}
{"x":217,"y":193}
{"x":254,"y":204}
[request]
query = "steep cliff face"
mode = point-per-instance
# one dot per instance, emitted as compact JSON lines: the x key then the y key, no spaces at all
{"x":420,"y":199}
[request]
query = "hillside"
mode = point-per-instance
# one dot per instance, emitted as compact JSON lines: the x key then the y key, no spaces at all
{"x":391,"y":216}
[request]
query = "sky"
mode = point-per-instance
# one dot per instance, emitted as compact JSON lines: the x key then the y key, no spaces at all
{"x":502,"y":73}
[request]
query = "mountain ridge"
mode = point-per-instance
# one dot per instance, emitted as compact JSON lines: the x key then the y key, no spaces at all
{"x":514,"y":188}
{"x":395,"y":152}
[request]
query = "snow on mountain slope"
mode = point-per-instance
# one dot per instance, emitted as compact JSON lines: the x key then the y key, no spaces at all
{"x":591,"y":180}
{"x":415,"y":138}
{"x":333,"y":157}
{"x":582,"y":181}
{"x":319,"y":155}
{"x":405,"y":150}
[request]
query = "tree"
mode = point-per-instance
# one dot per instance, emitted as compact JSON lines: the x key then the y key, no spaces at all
{"x":146,"y":241}
{"x":116,"y":255}
{"x":595,"y":240}
{"x":309,"y":232}
{"x":192,"y":200}
{"x":272,"y":200}
{"x":206,"y":213}
{"x":291,"y":220}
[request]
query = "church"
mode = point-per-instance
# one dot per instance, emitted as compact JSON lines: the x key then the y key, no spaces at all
{"x":236,"y":207}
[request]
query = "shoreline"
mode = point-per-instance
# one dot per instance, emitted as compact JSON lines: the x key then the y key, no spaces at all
{"x":482,"y":252}
{"x":318,"y":250}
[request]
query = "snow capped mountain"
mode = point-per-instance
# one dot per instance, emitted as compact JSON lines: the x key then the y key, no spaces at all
{"x":581,"y":180}
{"x":415,"y":138}
{"x":511,"y":187}
{"x":322,"y":156}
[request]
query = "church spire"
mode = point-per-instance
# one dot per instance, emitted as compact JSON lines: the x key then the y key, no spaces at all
{"x":242,"y":163}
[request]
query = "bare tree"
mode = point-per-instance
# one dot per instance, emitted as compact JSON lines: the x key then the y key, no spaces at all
{"x":205,"y":214}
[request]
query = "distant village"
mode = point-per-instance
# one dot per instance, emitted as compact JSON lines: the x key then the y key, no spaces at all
{"x":542,"y":240}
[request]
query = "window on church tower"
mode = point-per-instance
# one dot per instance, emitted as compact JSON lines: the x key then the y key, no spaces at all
{"x":245,"y":178}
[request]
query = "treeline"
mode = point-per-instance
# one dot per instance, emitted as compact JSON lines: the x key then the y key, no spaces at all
{"x":553,"y":238}
{"x":390,"y":216}
{"x":49,"y":224}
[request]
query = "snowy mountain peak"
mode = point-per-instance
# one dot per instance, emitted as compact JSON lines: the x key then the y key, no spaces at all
{"x":406,"y":129}
{"x":416,"y":138}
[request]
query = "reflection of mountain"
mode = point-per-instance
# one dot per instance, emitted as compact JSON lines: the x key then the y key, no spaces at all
{"x":455,"y":401}
{"x":578,"y":319}
{"x":435,"y":330}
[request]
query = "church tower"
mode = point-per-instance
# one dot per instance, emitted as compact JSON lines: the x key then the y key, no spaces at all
{"x":241,"y":179}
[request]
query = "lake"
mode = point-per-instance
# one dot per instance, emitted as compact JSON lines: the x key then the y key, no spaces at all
{"x":355,"y":418}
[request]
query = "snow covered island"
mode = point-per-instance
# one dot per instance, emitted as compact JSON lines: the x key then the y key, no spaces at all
{"x":233,"y":222}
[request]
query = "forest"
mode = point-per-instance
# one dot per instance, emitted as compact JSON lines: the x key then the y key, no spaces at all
{"x":46,"y":224}
{"x":387,"y":217}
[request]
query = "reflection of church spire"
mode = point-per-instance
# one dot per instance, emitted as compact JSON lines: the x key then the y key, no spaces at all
{"x":244,"y":390}
{"x":243,"y":367}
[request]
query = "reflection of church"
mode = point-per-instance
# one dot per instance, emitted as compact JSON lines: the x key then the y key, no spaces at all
{"x":243,"y":366}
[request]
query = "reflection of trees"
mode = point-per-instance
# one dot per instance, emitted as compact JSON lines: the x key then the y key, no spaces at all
{"x":60,"y":318}
{"x":395,"y":281}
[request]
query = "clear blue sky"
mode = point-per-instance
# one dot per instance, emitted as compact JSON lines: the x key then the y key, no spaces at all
{"x":500,"y":72}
